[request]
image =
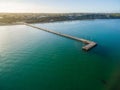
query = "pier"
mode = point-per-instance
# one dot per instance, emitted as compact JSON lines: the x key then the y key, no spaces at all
{"x":88,"y":44}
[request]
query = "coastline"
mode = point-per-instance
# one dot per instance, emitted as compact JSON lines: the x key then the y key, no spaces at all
{"x":13,"y":18}
{"x":17,"y":23}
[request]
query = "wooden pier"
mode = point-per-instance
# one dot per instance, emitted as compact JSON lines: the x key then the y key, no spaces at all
{"x":89,"y":44}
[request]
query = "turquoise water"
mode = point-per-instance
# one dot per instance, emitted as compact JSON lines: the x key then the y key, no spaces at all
{"x":32,"y":59}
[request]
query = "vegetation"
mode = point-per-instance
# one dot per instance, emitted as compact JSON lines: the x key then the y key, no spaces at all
{"x":12,"y":18}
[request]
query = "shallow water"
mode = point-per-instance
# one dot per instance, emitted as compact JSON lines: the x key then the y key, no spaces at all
{"x":32,"y":59}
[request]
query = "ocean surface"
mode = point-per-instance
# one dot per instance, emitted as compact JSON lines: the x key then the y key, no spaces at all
{"x":32,"y":59}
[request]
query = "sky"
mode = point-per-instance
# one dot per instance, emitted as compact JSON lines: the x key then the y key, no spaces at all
{"x":59,"y":6}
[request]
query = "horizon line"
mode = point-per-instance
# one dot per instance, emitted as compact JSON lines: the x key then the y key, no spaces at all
{"x":58,"y":12}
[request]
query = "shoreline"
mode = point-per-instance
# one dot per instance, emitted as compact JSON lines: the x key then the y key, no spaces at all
{"x":17,"y":23}
{"x":13,"y":18}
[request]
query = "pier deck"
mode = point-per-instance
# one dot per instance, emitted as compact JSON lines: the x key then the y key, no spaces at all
{"x":89,"y":44}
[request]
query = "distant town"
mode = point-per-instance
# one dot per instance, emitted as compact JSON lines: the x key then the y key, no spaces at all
{"x":13,"y":18}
